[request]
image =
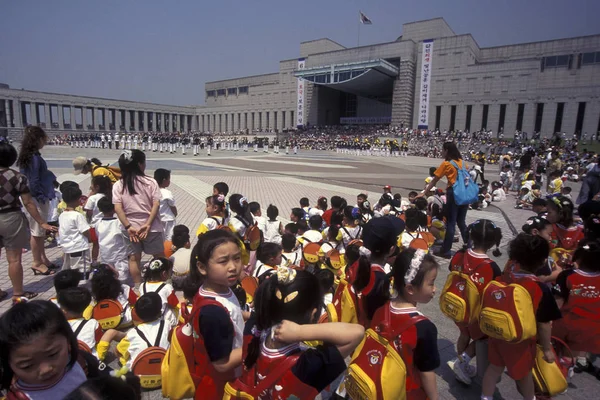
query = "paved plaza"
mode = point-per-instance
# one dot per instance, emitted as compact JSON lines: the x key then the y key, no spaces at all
{"x":282,"y":180}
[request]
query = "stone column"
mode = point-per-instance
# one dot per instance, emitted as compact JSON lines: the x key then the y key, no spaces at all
{"x":476,"y":115}
{"x":18,"y":113}
{"x":403,"y":97}
{"x":9,"y":121}
{"x":549,"y":118}
{"x":154,"y":121}
{"x":570,"y":118}
{"x":445,"y":118}
{"x":95,"y":119}
{"x":510,"y":120}
{"x":61,"y":116}
{"x":128,"y":120}
{"x":529,"y":118}
{"x":47,"y":118}
{"x":73,"y":125}
{"x":136,"y":121}
{"x":460,"y":117}
{"x":33,"y":113}
{"x":493,"y":118}
{"x":185,"y":122}
{"x":84,"y":118}
{"x":590,"y":119}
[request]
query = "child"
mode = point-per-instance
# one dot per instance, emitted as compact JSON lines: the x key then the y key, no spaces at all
{"x":414,"y":282}
{"x":483,"y":235}
{"x":261,"y":221}
{"x":555,"y":183}
{"x":498,"y":193}
{"x":538,"y":206}
{"x":106,"y":286}
{"x":305,"y":206}
{"x":430,"y":176}
{"x":113,"y":240}
{"x":566,"y":192}
{"x":288,"y":305}
{"x":239,"y":223}
{"x":414,"y":224}
{"x":273,"y":227}
{"x":65,"y":279}
{"x":221,"y":188}
{"x":148,"y":309}
{"x":215,"y":211}
{"x":337,"y":203}
{"x":157,"y":272}
{"x":167,"y":209}
{"x":181,"y":257}
{"x":438,"y":223}
{"x":566,"y":234}
{"x":320,"y":208}
{"x":38,"y":352}
{"x":101,"y":187}
{"x":529,"y":252}
{"x":289,"y":256}
{"x":74,"y":232}
{"x":412,"y":195}
{"x":313,"y":235}
{"x":297,"y":215}
{"x":539,"y":226}
{"x":217,"y":262}
{"x":270,"y":257}
{"x":576,"y":291}
{"x":351,"y":229}
{"x":506,"y":177}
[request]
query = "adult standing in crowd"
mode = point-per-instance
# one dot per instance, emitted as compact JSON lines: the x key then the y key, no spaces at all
{"x":82,"y":165}
{"x":455,"y":214}
{"x":41,"y":185}
{"x":14,"y":228}
{"x":136,"y":198}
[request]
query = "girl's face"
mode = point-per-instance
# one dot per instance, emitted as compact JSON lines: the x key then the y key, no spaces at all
{"x":224,"y":267}
{"x":293,"y":218}
{"x":142,"y":166}
{"x":42,"y":360}
{"x":552,"y":215}
{"x":426,"y":292}
{"x":211,"y":209}
{"x":545,"y":233}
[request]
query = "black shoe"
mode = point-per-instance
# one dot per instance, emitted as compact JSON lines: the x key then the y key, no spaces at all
{"x":447,"y":255}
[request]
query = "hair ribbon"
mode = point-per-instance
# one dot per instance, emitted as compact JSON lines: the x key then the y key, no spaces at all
{"x":415,"y":265}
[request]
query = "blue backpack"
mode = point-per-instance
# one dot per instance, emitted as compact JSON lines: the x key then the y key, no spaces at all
{"x":465,"y":190}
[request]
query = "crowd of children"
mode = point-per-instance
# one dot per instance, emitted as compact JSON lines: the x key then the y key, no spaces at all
{"x":273,"y":311}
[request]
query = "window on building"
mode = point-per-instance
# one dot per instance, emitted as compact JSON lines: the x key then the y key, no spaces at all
{"x":438,"y":116}
{"x":539,"y":115}
{"x":590,"y":58}
{"x":560,"y":108}
{"x":452,"y":117}
{"x":484,"y":116}
{"x":502,"y":117}
{"x":243,"y":90}
{"x":468,"y":118}
{"x":439,"y":85}
{"x":580,"y":117}
{"x":520,"y":112}
{"x":487,"y":84}
{"x":471,"y":85}
{"x":210,"y":93}
{"x":454,"y":86}
{"x":232,"y":91}
{"x":505,"y":83}
{"x":556,"y":61}
{"x":220,"y":92}
{"x":524,"y":82}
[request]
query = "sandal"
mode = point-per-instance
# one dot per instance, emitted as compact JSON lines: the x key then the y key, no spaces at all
{"x":46,"y":273}
{"x":53,"y":266}
{"x":20,"y":298}
{"x":3,"y":294}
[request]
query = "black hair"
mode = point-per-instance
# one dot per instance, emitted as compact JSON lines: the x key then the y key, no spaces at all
{"x":535,"y":222}
{"x":555,"y":174}
{"x":71,"y":194}
{"x":485,"y":234}
{"x":254,"y":207}
{"x":154,"y":269}
{"x":432,"y":171}
{"x":67,"y":184}
{"x":8,"y":154}
{"x":436,"y":211}
{"x":421,"y":204}
{"x":219,"y":202}
{"x":535,"y":187}
{"x":304,"y":202}
{"x":362,"y":196}
{"x":149,"y":307}
{"x":402,"y":264}
{"x":452,"y":152}
{"x":105,"y":205}
{"x":203,"y":250}
{"x":397,"y":196}
{"x":525,"y":190}
{"x":74,"y":299}
{"x":181,"y":236}
{"x":292,"y":228}
{"x":105,"y":284}
{"x":586,"y":256}
{"x":333,"y":231}
{"x":529,"y":251}
{"x":108,"y":388}
{"x":23,"y":323}
{"x":564,"y":206}
{"x":351,"y":214}
{"x":275,"y":301}
{"x":267,"y":251}
{"x":352,"y":254}
{"x":322,"y":203}
{"x":130,"y":169}
{"x":337,"y":219}
{"x":567,"y":189}
{"x":539,"y":202}
{"x":189,"y":287}
{"x":272,"y":212}
{"x":412,"y":193}
{"x":591,"y":227}
{"x":222,"y":188}
{"x":67,"y":278}
{"x":414,"y":219}
{"x":161,"y":175}
{"x":288,"y":242}
{"x":239,"y":205}
{"x":337,"y":202}
{"x":30,"y":145}
{"x":302,"y":226}
{"x":104,"y":185}
{"x":298,"y":213}
{"x":315,"y":222}
{"x":326,"y":280}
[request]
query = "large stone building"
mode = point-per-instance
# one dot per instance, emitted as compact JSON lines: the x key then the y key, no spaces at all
{"x":549,"y":86}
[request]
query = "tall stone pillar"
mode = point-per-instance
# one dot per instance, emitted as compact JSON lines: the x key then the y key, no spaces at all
{"x":61,"y":116}
{"x":476,"y":115}
{"x":84,"y":118}
{"x":185,"y":122}
{"x":529,"y":118}
{"x":154,"y":121}
{"x":549,"y":118}
{"x":493,"y":118}
{"x":590,"y":119}
{"x":47,"y":117}
{"x":403,"y":96}
{"x":33,"y":113}
{"x":510,"y":120}
{"x":445,"y":118}
{"x":73,"y":125}
{"x":570,"y":118}
{"x":128,"y":120}
{"x":136,"y":121}
{"x":9,"y":121}
{"x":95,"y":119}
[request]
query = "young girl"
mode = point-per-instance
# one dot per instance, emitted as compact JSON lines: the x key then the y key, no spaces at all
{"x":38,"y":352}
{"x":577,"y":293}
{"x":288,"y":305}
{"x":333,"y":241}
{"x":538,"y":226}
{"x":565,"y":233}
{"x":216,"y":262}
{"x":320,"y":208}
{"x":274,"y":228}
{"x":438,"y":223}
{"x":216,"y":214}
{"x":269,"y":255}
{"x":101,"y":187}
{"x":414,"y":282}
{"x":106,"y":286}
{"x":239,"y":223}
{"x":483,"y":235}
{"x":414,"y":221}
{"x":156,"y":274}
{"x":181,"y":256}
{"x":351,"y":230}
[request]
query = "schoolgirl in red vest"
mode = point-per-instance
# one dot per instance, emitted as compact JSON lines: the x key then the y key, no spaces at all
{"x":566,"y":234}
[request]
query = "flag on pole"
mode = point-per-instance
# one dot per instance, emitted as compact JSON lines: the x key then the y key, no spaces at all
{"x":364,"y":19}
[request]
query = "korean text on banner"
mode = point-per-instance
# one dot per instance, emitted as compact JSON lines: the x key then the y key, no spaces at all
{"x":425,"y":83}
{"x":300,"y":112}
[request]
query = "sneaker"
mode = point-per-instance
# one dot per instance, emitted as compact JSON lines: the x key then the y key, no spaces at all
{"x":471,"y":370}
{"x":450,"y":363}
{"x":461,"y":374}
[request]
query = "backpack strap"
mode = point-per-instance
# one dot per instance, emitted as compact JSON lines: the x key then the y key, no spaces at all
{"x":159,"y":335}
{"x":141,"y":334}
{"x":162,"y":285}
{"x":80,"y":327}
{"x":397,"y":330}
{"x":242,"y":220}
{"x":217,"y":221}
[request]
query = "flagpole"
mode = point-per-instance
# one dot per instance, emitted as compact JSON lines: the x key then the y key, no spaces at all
{"x":359,"y":24}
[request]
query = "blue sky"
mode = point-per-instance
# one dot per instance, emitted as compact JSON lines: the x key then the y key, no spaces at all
{"x":164,"y":51}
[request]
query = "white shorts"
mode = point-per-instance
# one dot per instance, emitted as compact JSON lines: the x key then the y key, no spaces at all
{"x":35,"y":228}
{"x":168,"y":227}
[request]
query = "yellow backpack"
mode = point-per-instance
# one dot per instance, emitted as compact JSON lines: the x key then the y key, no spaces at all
{"x":345,"y":305}
{"x":376,"y":370}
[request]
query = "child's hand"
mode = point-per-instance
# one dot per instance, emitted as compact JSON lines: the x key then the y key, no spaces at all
{"x":287,"y":332}
{"x":549,"y":356}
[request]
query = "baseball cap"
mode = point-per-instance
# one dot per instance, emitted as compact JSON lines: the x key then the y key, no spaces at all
{"x":78,"y":164}
{"x":386,"y":229}
{"x":387,"y":187}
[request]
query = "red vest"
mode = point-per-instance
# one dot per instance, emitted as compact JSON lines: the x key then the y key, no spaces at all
{"x":584,"y":295}
{"x":567,"y":239}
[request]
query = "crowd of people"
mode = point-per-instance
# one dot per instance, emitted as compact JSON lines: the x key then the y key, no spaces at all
{"x":261,"y":309}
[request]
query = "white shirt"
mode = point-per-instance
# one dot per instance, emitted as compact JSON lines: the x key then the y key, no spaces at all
{"x":72,"y":225}
{"x":87,"y":334}
{"x":165,"y":292}
{"x":312,"y":236}
{"x":289,"y":259}
{"x":315,"y":211}
{"x":113,"y":244}
{"x":166,"y":202}
{"x":261,"y":222}
{"x":150,"y":331}
{"x":498,"y":195}
{"x":271,"y":232}
{"x":92,"y":205}
{"x":350,"y":233}
{"x":181,"y":260}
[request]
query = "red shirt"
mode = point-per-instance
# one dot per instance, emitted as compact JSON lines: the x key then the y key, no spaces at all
{"x":327,"y":216}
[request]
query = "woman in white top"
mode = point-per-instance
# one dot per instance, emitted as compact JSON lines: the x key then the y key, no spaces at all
{"x":274,"y":228}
